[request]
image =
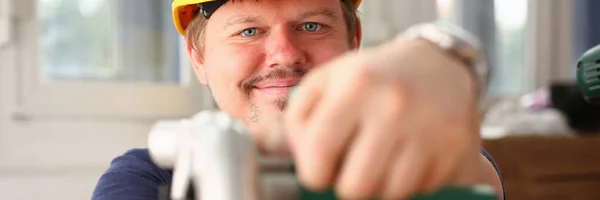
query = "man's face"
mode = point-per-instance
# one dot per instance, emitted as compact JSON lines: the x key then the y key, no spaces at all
{"x":255,"y":51}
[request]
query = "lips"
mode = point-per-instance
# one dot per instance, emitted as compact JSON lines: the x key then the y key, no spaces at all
{"x":277,"y":83}
{"x":276,"y":87}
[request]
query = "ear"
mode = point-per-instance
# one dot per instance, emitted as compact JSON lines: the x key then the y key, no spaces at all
{"x":357,"y":35}
{"x":197,"y":63}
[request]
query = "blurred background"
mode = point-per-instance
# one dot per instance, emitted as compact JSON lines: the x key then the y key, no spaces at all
{"x":82,"y":81}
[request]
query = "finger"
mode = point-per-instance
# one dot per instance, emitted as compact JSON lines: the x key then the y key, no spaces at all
{"x":274,"y":140}
{"x":454,"y":153}
{"x":301,"y":104}
{"x":328,"y":130}
{"x":367,"y":162}
{"x":425,"y":187}
{"x":364,"y":169}
{"x":407,"y":171}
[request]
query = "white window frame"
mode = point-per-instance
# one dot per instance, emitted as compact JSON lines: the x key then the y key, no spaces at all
{"x":5,"y":22}
{"x":93,"y":100}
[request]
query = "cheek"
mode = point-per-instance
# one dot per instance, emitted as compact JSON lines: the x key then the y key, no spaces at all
{"x":325,"y":50}
{"x":227,"y":67}
{"x":237,"y":63}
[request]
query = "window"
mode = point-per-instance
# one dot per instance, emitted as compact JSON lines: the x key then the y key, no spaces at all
{"x":5,"y":23}
{"x":501,"y":25}
{"x":510,"y":18}
{"x":100,"y":40}
{"x":102,"y":59}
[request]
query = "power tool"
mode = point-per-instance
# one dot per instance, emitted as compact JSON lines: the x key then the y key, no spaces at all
{"x":588,"y":75}
{"x":212,"y":157}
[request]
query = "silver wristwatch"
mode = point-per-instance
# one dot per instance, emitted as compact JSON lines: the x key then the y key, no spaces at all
{"x":458,"y":42}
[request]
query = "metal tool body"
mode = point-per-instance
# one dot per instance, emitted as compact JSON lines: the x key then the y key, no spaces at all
{"x":212,"y":148}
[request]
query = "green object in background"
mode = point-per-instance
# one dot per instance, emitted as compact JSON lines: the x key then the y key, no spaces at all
{"x":293,"y":91}
{"x":588,"y":74}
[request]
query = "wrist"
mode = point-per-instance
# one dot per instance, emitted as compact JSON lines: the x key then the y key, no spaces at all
{"x":439,"y":64}
{"x":458,"y":43}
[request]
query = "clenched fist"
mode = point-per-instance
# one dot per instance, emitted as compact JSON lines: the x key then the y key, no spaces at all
{"x":391,"y":121}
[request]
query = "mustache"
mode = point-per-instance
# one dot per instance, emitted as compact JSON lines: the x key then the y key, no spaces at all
{"x":276,"y":73}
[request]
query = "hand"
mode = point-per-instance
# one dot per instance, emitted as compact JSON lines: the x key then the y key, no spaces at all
{"x":387,"y":122}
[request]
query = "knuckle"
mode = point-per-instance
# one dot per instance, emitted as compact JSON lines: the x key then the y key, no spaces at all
{"x":392,"y":105}
{"x":363,"y":75}
{"x":312,"y":179}
{"x":309,"y":182}
{"x":397,"y":102}
{"x":394,"y":193}
{"x":350,"y":191}
{"x":459,"y":136}
{"x":321,"y":166}
{"x":322,"y":155}
{"x":435,"y":183}
{"x":353,"y":185}
{"x":440,"y":175}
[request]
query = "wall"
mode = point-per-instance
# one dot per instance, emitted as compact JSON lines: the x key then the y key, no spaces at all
{"x":52,"y":158}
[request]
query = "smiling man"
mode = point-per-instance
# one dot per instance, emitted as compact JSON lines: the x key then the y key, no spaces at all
{"x":403,"y":115}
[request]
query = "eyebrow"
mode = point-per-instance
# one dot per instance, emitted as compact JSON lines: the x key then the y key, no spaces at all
{"x":323,"y":12}
{"x":241,"y":20}
{"x":247,"y":19}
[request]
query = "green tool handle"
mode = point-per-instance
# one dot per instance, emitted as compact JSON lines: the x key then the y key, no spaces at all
{"x":445,"y":193}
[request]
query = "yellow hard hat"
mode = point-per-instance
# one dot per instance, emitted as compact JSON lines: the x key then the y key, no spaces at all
{"x":184,"y":11}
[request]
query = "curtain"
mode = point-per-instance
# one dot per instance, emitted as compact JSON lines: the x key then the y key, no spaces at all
{"x":586,"y":26}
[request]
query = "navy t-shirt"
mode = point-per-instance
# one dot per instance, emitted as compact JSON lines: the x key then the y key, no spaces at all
{"x":133,"y":176}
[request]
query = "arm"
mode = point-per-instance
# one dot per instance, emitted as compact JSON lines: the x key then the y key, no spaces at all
{"x":131,"y":176}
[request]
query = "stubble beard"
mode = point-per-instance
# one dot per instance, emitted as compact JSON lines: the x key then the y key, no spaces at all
{"x":256,"y":115}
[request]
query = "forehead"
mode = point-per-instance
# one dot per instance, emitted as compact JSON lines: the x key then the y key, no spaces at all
{"x":276,"y":9}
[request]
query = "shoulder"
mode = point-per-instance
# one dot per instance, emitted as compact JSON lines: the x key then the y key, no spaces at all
{"x":132,"y":175}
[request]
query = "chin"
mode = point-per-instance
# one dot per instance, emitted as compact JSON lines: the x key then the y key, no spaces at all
{"x":272,"y":108}
{"x":266,"y":109}
{"x":280,"y":104}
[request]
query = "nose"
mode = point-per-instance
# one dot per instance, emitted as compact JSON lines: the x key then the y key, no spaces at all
{"x":282,"y":49}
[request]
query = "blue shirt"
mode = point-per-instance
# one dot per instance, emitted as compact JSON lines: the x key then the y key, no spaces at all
{"x":133,"y":176}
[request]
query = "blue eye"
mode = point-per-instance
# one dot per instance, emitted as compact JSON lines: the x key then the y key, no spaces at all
{"x":312,"y":27}
{"x":249,"y":32}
